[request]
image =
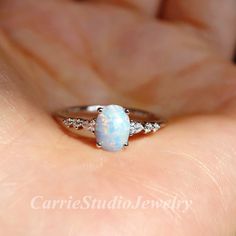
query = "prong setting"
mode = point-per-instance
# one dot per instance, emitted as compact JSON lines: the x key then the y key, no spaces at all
{"x":99,"y":110}
{"x":99,"y":145}
{"x":126,"y":145}
{"x":127,"y":111}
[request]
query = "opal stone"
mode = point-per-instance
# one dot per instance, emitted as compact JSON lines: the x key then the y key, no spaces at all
{"x":112,"y":128}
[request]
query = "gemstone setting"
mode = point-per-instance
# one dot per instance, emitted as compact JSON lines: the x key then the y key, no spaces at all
{"x":112,"y":128}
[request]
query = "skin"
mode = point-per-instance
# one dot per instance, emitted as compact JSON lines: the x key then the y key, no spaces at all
{"x":172,"y":57}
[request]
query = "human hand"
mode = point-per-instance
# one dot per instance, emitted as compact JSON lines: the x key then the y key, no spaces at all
{"x":172,"y":58}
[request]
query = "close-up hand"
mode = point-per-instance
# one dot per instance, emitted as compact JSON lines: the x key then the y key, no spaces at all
{"x":170,"y":57}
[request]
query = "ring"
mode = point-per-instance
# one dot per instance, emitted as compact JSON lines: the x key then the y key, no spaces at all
{"x":112,"y":125}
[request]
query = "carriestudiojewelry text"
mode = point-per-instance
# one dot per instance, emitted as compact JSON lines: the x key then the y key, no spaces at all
{"x":87,"y":202}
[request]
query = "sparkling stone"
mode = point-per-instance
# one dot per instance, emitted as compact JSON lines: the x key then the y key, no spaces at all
{"x":89,"y":125}
{"x":135,"y":127}
{"x":77,"y":123}
{"x":151,"y":127}
{"x":69,"y":122}
{"x":156,"y":127}
{"x":148,"y":127}
{"x":112,"y":128}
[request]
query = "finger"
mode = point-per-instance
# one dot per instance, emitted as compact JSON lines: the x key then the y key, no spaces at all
{"x":149,"y":7}
{"x":215,"y":19}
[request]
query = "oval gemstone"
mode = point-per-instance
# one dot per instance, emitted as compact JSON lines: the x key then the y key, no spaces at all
{"x":112,"y":128}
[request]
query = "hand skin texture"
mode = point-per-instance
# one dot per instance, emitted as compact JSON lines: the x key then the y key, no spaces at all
{"x":172,"y":57}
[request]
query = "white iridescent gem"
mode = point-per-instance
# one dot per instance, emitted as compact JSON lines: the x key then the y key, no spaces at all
{"x":112,"y":128}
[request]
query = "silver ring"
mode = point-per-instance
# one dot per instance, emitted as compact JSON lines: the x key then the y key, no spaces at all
{"x":112,"y":125}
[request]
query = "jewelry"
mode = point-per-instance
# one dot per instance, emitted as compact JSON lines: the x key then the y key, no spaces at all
{"x":111,"y":124}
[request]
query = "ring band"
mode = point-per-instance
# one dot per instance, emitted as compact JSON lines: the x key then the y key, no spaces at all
{"x":111,"y":124}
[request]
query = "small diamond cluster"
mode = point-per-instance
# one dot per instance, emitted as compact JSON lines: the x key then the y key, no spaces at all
{"x":147,"y":127}
{"x":78,"y":123}
{"x":135,"y":126}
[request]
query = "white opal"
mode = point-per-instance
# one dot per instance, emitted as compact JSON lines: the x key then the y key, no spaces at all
{"x":112,"y":128}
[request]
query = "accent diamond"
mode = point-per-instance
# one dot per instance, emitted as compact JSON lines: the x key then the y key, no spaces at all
{"x":68,"y":122}
{"x":73,"y":122}
{"x":148,"y":128}
{"x":135,"y":127}
{"x":89,"y":125}
{"x":151,"y":127}
{"x":77,"y":123}
{"x":156,"y":127}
